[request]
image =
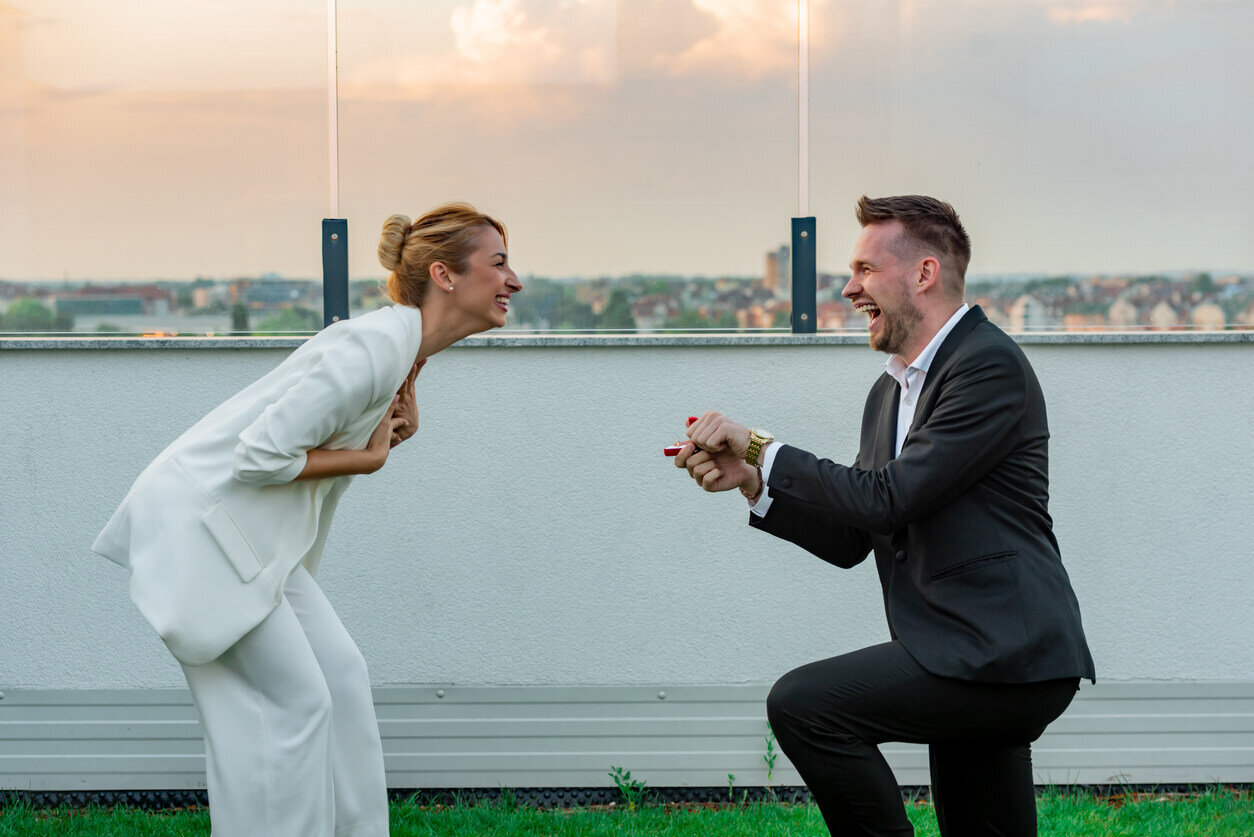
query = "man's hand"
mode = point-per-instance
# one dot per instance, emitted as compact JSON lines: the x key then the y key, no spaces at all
{"x":715,"y":432}
{"x":407,"y":406}
{"x":720,"y":463}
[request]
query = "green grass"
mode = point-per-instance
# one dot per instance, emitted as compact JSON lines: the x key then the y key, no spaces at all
{"x":1215,"y":813}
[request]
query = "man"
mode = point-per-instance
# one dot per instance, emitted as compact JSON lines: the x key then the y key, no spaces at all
{"x":950,"y":491}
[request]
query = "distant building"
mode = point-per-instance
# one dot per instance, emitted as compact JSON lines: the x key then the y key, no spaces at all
{"x":85,"y":305}
{"x":1209,"y":316}
{"x":778,"y":276}
{"x":277,"y":293}
{"x":1083,"y":322}
{"x":207,"y":296}
{"x":650,"y":312}
{"x":755,"y":316}
{"x":114,"y":300}
{"x":1123,"y":314}
{"x":833,"y":315}
{"x":1027,"y":313}
{"x":1162,"y":316}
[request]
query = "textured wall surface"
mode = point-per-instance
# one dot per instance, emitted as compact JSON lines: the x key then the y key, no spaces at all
{"x":532,"y":533}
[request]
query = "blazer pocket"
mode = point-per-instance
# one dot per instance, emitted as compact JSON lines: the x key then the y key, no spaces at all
{"x":974,"y":564}
{"x":234,"y":545}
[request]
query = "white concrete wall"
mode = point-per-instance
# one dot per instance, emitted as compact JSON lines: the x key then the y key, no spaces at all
{"x":532,"y":533}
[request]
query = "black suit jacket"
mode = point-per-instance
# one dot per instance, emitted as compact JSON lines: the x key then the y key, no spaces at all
{"x":973,"y":584}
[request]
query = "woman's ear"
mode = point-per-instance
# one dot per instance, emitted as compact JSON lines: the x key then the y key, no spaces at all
{"x":439,"y":274}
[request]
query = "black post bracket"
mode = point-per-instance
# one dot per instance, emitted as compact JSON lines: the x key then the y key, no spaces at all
{"x":804,"y":277}
{"x":334,"y":270}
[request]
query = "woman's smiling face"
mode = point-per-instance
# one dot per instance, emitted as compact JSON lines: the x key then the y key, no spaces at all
{"x":484,"y":289}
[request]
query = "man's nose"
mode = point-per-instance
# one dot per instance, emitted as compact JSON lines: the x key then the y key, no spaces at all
{"x":851,"y":288}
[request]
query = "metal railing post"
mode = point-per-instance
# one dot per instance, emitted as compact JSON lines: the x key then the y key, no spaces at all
{"x":334,"y":270}
{"x":804,"y":277}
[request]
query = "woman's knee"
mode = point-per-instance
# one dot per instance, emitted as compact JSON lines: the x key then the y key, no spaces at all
{"x":349,"y":679}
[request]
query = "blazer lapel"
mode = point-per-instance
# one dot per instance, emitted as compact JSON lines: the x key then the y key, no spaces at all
{"x":953,"y":340}
{"x":885,"y":445}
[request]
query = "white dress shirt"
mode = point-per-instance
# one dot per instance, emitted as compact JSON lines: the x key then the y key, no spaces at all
{"x":909,"y":376}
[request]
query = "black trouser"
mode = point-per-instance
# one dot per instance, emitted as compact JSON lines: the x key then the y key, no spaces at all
{"x":829,"y":716}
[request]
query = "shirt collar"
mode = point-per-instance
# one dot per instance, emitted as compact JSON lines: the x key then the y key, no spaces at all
{"x":896,"y":364}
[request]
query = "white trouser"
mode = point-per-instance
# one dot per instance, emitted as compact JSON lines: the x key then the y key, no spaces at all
{"x":291,"y":742}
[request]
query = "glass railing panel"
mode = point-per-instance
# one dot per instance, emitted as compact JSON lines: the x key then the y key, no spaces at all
{"x":164,"y":167}
{"x":1098,"y":153}
{"x":642,"y":153}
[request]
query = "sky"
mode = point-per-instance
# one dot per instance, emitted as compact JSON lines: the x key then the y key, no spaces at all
{"x":190,"y":137}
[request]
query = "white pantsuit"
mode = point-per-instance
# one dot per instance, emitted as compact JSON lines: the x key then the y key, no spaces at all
{"x":290,"y":730}
{"x":222,"y":544}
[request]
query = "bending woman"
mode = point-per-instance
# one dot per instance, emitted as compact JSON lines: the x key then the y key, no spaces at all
{"x":224,"y":530}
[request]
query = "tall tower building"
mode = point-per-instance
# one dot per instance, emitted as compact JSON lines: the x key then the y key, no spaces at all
{"x":778,"y":276}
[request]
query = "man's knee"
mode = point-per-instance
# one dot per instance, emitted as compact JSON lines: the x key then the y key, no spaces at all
{"x":791,"y":702}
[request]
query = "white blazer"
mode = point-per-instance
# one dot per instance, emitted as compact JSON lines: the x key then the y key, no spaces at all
{"x":212,"y":528}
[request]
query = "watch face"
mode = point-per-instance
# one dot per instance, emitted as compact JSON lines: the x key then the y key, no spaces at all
{"x":765,"y":434}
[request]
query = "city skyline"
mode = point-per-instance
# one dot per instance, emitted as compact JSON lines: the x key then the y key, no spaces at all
{"x":644,"y":136}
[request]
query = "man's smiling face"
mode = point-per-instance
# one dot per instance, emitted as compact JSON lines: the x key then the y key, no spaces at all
{"x":879,"y":287}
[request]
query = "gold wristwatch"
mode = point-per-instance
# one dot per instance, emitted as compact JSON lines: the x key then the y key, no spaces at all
{"x":757,"y":440}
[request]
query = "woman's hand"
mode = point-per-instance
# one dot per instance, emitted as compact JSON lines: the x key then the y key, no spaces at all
{"x":381,"y":439}
{"x":407,"y":406}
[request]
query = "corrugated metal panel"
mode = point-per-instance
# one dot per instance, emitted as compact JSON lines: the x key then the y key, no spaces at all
{"x":553,"y":736}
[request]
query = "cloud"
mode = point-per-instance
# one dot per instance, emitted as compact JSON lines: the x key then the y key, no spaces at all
{"x":488,"y":42}
{"x":487,"y":27}
{"x":752,"y":38}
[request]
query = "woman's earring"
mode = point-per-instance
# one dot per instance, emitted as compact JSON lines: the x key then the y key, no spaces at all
{"x":450,"y":287}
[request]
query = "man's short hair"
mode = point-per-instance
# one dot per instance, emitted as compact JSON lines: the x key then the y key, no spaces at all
{"x":929,"y":224}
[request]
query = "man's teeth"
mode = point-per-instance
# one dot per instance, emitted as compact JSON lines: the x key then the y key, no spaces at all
{"x":867,"y":308}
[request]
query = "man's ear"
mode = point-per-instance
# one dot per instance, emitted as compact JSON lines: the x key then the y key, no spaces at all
{"x":928,"y":276}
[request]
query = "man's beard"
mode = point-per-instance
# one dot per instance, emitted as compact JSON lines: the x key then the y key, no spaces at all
{"x":899,"y":326}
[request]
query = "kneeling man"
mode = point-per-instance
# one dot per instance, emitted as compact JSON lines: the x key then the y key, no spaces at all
{"x":950,"y":490}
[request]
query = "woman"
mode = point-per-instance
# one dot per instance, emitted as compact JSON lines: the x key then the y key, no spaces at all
{"x":224,"y":530}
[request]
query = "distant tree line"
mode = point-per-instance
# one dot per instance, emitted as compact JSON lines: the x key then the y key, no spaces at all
{"x":29,"y":314}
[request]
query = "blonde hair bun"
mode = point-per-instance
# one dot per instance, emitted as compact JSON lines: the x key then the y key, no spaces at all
{"x":392,"y":241}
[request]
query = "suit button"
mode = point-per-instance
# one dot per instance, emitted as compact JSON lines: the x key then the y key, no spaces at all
{"x":786,"y":482}
{"x":901,"y":555}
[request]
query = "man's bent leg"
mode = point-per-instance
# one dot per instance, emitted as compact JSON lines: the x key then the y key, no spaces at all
{"x":830,"y":715}
{"x":812,"y":711}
